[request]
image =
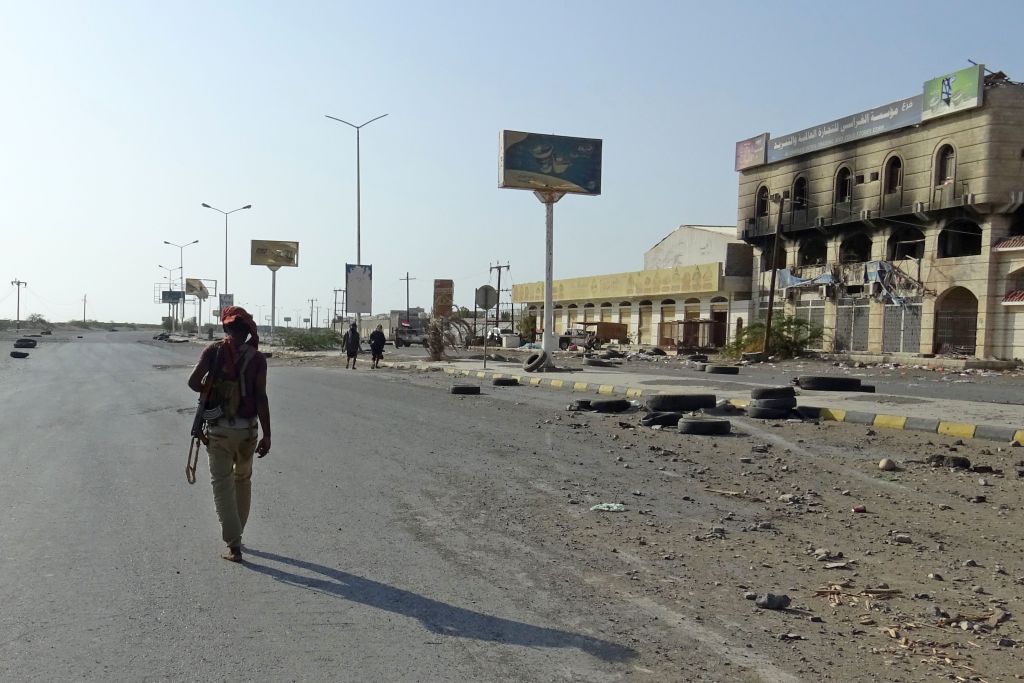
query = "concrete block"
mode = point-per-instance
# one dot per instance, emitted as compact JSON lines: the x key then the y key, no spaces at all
{"x":858,"y":417}
{"x":992,"y":433}
{"x":921,"y":424}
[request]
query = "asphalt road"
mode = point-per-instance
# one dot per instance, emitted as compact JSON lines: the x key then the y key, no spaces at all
{"x":356,"y":569}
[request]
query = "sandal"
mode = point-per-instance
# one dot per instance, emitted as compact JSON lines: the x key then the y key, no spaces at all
{"x":232,"y":555}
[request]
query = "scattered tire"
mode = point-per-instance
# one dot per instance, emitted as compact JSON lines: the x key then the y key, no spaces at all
{"x":867,"y":388}
{"x":80,"y":337}
{"x":680,"y":403}
{"x":703,"y":425}
{"x":722,"y":369}
{"x":611,"y":405}
{"x":465,"y":389}
{"x":773,"y":392}
{"x":505,"y":382}
{"x":768,"y":413}
{"x":817,"y":383}
{"x":563,"y":344}
{"x":580,"y":404}
{"x":535,"y":361}
{"x":774,"y":403}
{"x":598,"y":363}
{"x":655,"y":351}
{"x":697,"y":357}
{"x":25,"y":343}
{"x":19,"y":354}
{"x":666,"y":419}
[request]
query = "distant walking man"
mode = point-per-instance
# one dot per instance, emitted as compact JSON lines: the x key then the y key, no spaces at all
{"x":351,"y":344}
{"x":232,"y":375}
{"x":377,"y":346}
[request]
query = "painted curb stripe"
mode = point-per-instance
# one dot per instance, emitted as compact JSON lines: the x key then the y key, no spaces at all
{"x":1019,"y":436}
{"x":580,"y":386}
{"x":961,"y":429}
{"x":833,"y":414}
{"x":606,"y":389}
{"x":556,"y":383}
{"x":890,"y":421}
{"x":633,"y":393}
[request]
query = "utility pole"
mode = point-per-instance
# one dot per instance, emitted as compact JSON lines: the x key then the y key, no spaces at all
{"x":84,"y":298}
{"x":407,"y":278}
{"x":779,"y":199}
{"x":497,"y":308}
{"x":334,"y":314}
{"x":19,"y":284}
{"x":311,"y":318}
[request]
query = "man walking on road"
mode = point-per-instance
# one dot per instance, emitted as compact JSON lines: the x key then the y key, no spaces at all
{"x":232,"y":375}
{"x":351,"y":344}
{"x":377,"y":346}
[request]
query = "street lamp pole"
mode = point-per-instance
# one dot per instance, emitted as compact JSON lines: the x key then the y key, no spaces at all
{"x":181,"y":275}
{"x":170,"y":287}
{"x":19,"y":284}
{"x":359,"y":244}
{"x":226,"y":214}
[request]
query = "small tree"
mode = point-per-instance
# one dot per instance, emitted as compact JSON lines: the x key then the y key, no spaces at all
{"x":790,"y":336}
{"x":37,"y":320}
{"x":527,"y":326}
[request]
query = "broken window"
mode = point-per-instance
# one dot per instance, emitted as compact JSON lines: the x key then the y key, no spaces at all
{"x":800,"y":194}
{"x":906,"y":242}
{"x":893,"y":175}
{"x":813,"y":252}
{"x":960,"y":238}
{"x":855,"y":249}
{"x":945,"y":166}
{"x":844,"y":189}
{"x":766,"y":255}
{"x":762,"y":202}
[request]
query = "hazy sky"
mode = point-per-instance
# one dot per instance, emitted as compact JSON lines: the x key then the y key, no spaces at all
{"x":120,"y":118}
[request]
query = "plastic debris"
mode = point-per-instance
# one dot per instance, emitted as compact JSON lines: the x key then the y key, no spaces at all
{"x":608,"y":507}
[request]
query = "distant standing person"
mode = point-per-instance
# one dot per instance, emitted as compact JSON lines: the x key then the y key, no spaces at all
{"x":351,"y":344}
{"x":377,"y":346}
{"x":232,"y":376}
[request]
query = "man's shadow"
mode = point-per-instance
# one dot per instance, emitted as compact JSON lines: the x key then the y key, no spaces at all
{"x":436,"y":616}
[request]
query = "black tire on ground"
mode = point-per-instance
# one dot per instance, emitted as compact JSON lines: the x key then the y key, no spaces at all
{"x":505,"y":382}
{"x":867,"y":388}
{"x":703,"y":425}
{"x":80,"y":336}
{"x":722,"y":370}
{"x":655,"y":351}
{"x":612,"y":353}
{"x":666,"y":419}
{"x":465,"y":389}
{"x":580,"y":404}
{"x":773,"y":392}
{"x":679,"y":403}
{"x":774,"y":403}
{"x":535,"y":361}
{"x":817,"y":383}
{"x":611,"y":405}
{"x":25,"y":343}
{"x":768,"y":413}
{"x":598,"y":363}
{"x":19,"y":354}
{"x":563,"y":344}
{"x":697,"y":357}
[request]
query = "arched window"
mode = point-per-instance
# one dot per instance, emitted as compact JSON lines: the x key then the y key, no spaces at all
{"x":844,"y":186}
{"x":907,"y":242}
{"x":945,"y":165}
{"x":800,"y":194}
{"x":762,"y":202}
{"x":855,"y":249}
{"x":960,"y":238}
{"x":893,"y":175}
{"x":813,"y":251}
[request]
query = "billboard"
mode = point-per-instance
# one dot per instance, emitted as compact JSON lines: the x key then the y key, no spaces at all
{"x":273,"y":253}
{"x":171,"y":296}
{"x":358,"y":288}
{"x":534,"y":161}
{"x":196,"y":288}
{"x":444,"y":297}
{"x":751,"y":152}
{"x":953,"y":92}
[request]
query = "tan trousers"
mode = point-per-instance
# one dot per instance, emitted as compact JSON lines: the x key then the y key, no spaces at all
{"x":231,"y":452}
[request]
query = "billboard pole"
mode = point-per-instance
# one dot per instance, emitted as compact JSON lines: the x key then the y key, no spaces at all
{"x":549,"y":341}
{"x":273,"y":300}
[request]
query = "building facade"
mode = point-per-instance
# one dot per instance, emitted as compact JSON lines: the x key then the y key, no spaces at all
{"x":697,"y":273}
{"x":901,"y":229}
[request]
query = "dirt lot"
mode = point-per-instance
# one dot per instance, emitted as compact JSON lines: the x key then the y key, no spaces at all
{"x":926,"y":583}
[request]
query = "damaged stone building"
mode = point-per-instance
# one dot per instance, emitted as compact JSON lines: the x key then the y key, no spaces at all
{"x":900,"y":229}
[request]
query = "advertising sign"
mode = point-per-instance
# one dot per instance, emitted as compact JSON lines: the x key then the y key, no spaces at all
{"x":358,"y":288}
{"x":893,"y":116}
{"x":953,"y":92}
{"x":751,"y":152}
{"x":444,"y":297}
{"x":273,"y":253}
{"x":171,"y":296}
{"x":196,"y":288}
{"x":533,"y":161}
{"x":226,"y":300}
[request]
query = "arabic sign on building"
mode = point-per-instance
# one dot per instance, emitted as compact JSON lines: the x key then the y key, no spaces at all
{"x":358,"y":288}
{"x":893,"y":116}
{"x":444,"y":296}
{"x":751,"y":152}
{"x":532,"y":161}
{"x":642,"y":283}
{"x":273,"y":253}
{"x":953,"y":92}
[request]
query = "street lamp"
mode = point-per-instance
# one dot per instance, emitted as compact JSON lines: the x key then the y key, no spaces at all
{"x":359,"y":252}
{"x":170,"y":287}
{"x":226,"y":214}
{"x":181,"y":265}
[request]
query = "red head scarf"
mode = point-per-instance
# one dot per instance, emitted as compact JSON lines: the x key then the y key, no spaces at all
{"x":232,"y":314}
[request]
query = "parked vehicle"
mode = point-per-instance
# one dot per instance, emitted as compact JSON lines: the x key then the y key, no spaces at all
{"x":407,"y":336}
